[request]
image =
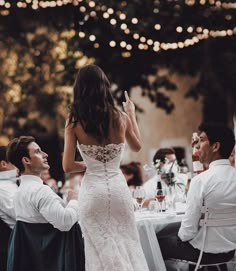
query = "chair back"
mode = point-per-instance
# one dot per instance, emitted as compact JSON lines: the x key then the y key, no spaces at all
{"x":209,"y":221}
{"x":41,"y":247}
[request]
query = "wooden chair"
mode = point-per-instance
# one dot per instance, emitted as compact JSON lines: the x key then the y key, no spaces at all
{"x":207,"y":222}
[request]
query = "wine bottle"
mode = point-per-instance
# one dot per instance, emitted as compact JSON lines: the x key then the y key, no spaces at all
{"x":159,"y":185}
{"x":197,"y":165}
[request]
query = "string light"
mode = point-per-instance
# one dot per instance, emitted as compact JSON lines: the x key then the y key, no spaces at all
{"x":190,"y":29}
{"x":112,"y":43}
{"x":134,"y":20}
{"x":92,"y":37}
{"x":126,"y":54}
{"x":122,"y":16}
{"x":157,"y":26}
{"x":58,"y":3}
{"x":123,"y":44}
{"x":179,"y":29}
{"x":123,"y":26}
{"x":110,"y":11}
{"x":120,"y":20}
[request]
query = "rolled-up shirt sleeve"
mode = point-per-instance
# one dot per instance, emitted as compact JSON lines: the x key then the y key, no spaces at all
{"x":190,"y":222}
{"x":53,"y":209}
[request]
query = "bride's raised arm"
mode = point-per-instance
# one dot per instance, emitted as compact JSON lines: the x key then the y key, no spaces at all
{"x":132,"y":134}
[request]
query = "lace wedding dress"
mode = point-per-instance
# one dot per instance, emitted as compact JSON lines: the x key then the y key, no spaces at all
{"x":106,"y":213}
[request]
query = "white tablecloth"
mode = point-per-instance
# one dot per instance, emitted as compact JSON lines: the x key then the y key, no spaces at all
{"x":148,"y":224}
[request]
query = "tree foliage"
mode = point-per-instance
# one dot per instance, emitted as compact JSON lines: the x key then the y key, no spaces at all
{"x":42,"y":50}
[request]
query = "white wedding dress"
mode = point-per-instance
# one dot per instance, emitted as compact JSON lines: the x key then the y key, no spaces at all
{"x":107,"y":213}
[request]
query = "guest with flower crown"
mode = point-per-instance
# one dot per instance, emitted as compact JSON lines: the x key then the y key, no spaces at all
{"x":166,"y":165}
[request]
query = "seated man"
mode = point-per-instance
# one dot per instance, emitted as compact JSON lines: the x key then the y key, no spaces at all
{"x":150,"y":186}
{"x":36,"y":204}
{"x":8,"y":188}
{"x":214,"y":188}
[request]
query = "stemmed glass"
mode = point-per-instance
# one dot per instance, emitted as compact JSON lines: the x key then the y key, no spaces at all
{"x":139,"y":195}
{"x":160,"y":196}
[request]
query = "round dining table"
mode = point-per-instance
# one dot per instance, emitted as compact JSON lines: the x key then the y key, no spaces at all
{"x":148,"y":224}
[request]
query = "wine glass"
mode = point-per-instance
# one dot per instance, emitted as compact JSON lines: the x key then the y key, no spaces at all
{"x":139,"y":195}
{"x":160,"y":196}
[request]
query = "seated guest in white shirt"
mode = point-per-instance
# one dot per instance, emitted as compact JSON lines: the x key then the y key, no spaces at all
{"x":161,"y":154}
{"x":36,"y":204}
{"x":8,"y":189}
{"x":214,"y":187}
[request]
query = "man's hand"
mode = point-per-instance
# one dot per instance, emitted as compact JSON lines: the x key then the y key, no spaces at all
{"x":72,"y":195}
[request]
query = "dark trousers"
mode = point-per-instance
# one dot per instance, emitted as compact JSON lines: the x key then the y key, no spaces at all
{"x":3,"y":261}
{"x":173,"y":248}
{"x":5,"y":232}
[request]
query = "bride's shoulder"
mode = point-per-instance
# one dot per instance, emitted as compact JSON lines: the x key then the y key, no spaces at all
{"x":72,"y":123}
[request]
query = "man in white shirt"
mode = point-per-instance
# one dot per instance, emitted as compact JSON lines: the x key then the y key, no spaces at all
{"x":214,"y":188}
{"x":34,"y":202}
{"x":161,"y":155}
{"x":8,"y":188}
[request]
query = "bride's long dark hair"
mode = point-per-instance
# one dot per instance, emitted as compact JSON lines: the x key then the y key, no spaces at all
{"x":93,"y":105}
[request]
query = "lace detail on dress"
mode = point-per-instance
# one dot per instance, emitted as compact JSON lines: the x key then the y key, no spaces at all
{"x":102,"y":153}
{"x":106,"y":213}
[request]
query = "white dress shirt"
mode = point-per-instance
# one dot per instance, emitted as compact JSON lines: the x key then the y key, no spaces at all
{"x":35,"y":202}
{"x":8,"y":189}
{"x":216,"y":187}
{"x":150,"y":186}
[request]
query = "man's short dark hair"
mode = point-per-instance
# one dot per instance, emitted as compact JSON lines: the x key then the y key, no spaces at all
{"x":219,"y":132}
{"x":17,"y":149}
{"x":161,"y":154}
{"x":3,"y":153}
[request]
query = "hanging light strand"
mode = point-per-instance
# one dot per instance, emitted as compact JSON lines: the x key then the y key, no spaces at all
{"x":119,"y":20}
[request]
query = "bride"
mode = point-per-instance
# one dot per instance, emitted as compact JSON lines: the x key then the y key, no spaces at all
{"x":99,"y":130}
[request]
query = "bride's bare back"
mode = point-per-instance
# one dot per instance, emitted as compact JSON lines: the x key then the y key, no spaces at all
{"x":123,"y":126}
{"x":117,"y":130}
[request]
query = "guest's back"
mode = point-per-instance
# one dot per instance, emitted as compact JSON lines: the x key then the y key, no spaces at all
{"x":44,"y":220}
{"x":216,"y":187}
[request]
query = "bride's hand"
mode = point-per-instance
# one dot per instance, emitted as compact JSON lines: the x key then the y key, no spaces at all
{"x":128,"y":105}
